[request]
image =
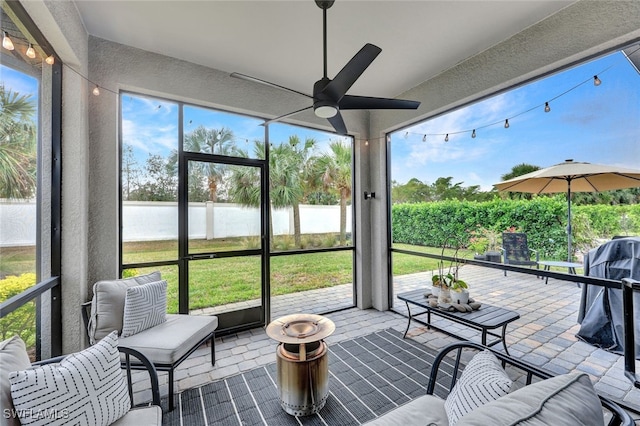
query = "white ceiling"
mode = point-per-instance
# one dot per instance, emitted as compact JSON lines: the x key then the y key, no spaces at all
{"x":281,"y":41}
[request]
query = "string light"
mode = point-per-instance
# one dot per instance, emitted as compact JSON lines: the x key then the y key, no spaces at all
{"x":446,"y":138}
{"x":6,"y":41}
{"x":50,"y":60}
{"x":473,"y":134}
{"x":424,"y":138}
{"x":31,"y":53}
{"x":96,"y":91}
{"x":506,"y":123}
{"x":547,"y":108}
{"x":596,"y":81}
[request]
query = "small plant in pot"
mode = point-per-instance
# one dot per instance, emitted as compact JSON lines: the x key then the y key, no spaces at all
{"x":460,"y":292}
{"x":444,"y":282}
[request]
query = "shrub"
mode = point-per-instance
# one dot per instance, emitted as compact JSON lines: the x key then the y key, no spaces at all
{"x":128,"y":273}
{"x":22,"y":321}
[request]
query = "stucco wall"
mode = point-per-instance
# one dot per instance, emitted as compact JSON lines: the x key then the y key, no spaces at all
{"x":61,"y":25}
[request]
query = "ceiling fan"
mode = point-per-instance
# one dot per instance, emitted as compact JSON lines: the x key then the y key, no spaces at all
{"x":329,"y":96}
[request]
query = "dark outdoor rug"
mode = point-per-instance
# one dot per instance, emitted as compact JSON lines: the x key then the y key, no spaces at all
{"x":368,"y":376}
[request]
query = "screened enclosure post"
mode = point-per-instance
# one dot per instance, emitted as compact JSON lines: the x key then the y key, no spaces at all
{"x":629,"y":329}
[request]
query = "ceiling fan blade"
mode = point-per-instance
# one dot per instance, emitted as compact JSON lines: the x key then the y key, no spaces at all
{"x":350,"y":73}
{"x":267,"y":83}
{"x":338,"y":123}
{"x":367,"y":102}
{"x":286,"y":115}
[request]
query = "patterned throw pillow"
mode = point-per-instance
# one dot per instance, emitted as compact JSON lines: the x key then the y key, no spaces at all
{"x":145,"y":306}
{"x":85,"y":388}
{"x":483,"y":380}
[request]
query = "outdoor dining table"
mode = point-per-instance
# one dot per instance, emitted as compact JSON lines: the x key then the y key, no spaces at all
{"x":571,"y":266}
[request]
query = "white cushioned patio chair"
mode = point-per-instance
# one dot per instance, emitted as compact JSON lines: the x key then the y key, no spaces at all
{"x":136,"y":308}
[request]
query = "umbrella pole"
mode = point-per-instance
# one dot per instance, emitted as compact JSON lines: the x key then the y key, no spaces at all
{"x":569,"y":221}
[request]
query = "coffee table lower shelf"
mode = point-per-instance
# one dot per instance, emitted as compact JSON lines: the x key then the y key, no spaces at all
{"x":486,"y":318}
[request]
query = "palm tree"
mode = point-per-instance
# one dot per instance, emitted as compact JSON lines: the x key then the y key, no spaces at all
{"x":210,"y":141}
{"x":287,"y":172}
{"x":18,"y":149}
{"x":334,"y":171}
{"x":519,"y":170}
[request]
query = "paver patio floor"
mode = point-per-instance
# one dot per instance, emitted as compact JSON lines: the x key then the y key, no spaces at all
{"x":543,"y":336}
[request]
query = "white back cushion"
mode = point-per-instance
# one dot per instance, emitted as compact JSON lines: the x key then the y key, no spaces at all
{"x":107,"y":305}
{"x":13,"y":356}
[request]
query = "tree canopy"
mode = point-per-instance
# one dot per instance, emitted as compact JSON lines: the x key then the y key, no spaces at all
{"x":18,"y":145}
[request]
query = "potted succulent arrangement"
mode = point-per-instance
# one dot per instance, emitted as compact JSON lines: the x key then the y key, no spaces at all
{"x":446,"y":282}
{"x":450,"y":289}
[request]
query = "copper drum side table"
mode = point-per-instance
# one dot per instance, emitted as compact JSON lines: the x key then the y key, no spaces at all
{"x":302,"y":361}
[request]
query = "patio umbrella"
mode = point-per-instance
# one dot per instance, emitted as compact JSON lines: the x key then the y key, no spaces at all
{"x":572,"y":176}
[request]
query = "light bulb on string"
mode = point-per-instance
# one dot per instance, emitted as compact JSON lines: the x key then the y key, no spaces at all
{"x":547,"y":108}
{"x":446,"y":138}
{"x":50,"y":60}
{"x":506,"y":123}
{"x":96,"y":91}
{"x":6,"y":41}
{"x":473,"y":134}
{"x":366,"y":143}
{"x":596,"y":81}
{"x":424,"y":138}
{"x":31,"y":53}
{"x":406,"y":135}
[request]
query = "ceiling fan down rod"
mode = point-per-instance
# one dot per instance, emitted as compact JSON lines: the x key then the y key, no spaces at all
{"x":324,"y":5}
{"x":324,"y":39}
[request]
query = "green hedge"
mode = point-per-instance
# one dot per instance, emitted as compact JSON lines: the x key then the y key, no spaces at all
{"x":543,"y":219}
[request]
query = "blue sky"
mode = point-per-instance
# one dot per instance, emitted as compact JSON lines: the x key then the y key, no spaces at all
{"x":19,"y":82}
{"x":592,"y":124}
{"x":150,"y":125}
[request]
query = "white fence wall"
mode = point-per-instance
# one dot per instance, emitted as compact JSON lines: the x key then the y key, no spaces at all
{"x":17,"y":223}
{"x":151,"y":221}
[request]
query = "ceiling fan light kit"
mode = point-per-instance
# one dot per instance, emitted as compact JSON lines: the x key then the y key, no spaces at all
{"x":329,"y":96}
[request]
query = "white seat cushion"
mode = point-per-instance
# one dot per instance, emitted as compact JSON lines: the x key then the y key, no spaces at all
{"x":167,"y":342}
{"x":145,"y":416}
{"x":424,"y":410}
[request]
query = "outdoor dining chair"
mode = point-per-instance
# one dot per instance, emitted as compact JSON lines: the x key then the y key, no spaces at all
{"x":515,"y":250}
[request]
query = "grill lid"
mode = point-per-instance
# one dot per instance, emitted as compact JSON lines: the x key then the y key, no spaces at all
{"x":300,"y":328}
